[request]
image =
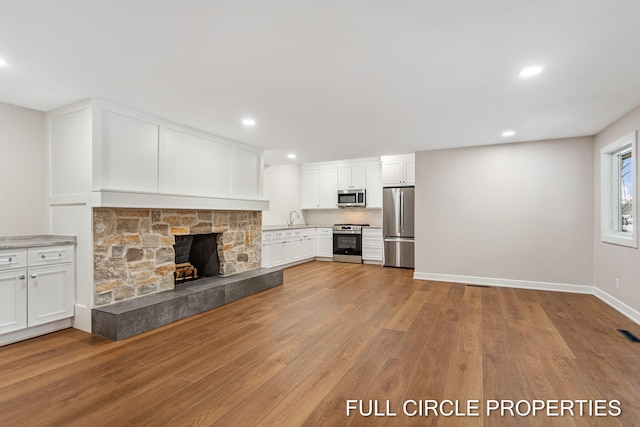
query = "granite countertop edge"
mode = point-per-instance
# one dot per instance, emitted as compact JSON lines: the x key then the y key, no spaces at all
{"x":293,"y":227}
{"x":14,"y":242}
{"x":299,"y":226}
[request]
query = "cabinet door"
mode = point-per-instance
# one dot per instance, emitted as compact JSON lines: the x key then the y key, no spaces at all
{"x":289,"y":252}
{"x":13,"y":300}
{"x":410,"y":172}
{"x":344,"y":178}
{"x":358,"y":177}
{"x":297,"y":249}
{"x":391,"y":173}
{"x":310,"y":188}
{"x":329,"y":188}
{"x":278,"y":253}
{"x":50,"y":293}
{"x":267,"y":254}
{"x":309,"y":247}
{"x":374,"y":187}
{"x":325,"y":247}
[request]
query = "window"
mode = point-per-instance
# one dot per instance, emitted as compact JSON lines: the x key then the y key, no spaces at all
{"x":619,"y":183}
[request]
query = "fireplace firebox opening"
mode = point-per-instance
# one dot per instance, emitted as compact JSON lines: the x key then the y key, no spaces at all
{"x":196,"y":257}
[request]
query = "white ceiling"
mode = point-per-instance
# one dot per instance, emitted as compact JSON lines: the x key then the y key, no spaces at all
{"x":333,"y":79}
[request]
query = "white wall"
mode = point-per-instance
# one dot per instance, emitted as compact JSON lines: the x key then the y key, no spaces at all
{"x":521,"y":212}
{"x":22,"y":171}
{"x":281,"y":186}
{"x":613,"y":261}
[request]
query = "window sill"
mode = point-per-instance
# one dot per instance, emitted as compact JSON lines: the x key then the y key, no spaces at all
{"x":620,"y":239}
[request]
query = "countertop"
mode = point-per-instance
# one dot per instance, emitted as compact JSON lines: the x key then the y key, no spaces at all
{"x":293,"y":227}
{"x":298,"y":226}
{"x":12,"y":242}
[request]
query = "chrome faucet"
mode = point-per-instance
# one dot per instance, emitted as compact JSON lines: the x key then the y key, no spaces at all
{"x":290,"y":222}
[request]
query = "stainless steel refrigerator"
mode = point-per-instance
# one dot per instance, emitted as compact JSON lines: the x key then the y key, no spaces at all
{"x":397,"y":226}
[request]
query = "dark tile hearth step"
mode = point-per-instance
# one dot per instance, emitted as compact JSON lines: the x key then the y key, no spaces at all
{"x":132,"y":317}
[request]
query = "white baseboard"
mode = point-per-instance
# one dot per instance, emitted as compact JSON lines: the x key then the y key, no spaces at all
{"x":623,"y":308}
{"x":34,"y":331}
{"x":616,"y":304}
{"x":507,"y":283}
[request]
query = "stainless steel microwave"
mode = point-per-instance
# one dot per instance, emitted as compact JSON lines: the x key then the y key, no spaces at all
{"x":352,"y":198}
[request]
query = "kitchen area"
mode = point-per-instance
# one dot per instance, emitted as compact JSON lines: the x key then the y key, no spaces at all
{"x":357,"y":211}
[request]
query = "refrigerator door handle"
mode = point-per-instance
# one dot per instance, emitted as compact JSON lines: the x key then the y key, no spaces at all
{"x":401,"y":212}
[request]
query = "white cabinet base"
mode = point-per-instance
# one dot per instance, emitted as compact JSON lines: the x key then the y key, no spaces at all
{"x":37,"y":291}
{"x":35,"y":331}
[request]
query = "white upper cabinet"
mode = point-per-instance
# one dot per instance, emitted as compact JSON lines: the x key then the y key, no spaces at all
{"x":129,"y":158}
{"x":320,"y":182}
{"x":328,"y":188}
{"x":310,"y":188}
{"x":374,"y":185}
{"x":351,"y":177}
{"x":398,"y":171}
{"x":319,"y":188}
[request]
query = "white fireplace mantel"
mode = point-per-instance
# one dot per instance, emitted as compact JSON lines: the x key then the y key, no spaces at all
{"x":131,"y":199}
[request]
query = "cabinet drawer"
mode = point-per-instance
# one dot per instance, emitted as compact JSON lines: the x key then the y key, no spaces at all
{"x":325,"y":232}
{"x":372,"y":254}
{"x":50,"y":255}
{"x":267,"y":235}
{"x":309,"y":232}
{"x":12,"y":258}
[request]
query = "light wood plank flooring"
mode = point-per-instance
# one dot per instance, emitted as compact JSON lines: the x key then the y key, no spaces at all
{"x":294,"y":355}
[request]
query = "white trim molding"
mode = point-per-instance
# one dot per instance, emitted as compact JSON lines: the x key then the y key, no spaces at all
{"x":616,"y":304}
{"x":610,"y":188}
{"x":621,"y":307}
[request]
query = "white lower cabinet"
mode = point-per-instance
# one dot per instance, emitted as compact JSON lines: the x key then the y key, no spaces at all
{"x":267,"y":253}
{"x":325,"y":242}
{"x":281,"y":247}
{"x":13,"y":300}
{"x":309,"y":243}
{"x":37,"y":286}
{"x":372,"y":243}
{"x":50,"y":293}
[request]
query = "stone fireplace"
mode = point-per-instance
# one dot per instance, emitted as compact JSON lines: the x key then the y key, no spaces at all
{"x":134,"y":251}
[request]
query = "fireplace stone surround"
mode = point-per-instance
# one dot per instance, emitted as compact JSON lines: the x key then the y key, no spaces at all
{"x":134,"y":253}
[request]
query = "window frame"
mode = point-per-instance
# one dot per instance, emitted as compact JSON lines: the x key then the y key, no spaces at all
{"x":611,"y":204}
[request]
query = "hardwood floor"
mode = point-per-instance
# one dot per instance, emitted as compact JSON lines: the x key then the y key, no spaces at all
{"x":294,"y":355}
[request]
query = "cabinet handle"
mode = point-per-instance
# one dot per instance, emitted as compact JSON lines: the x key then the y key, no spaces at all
{"x":34,"y":276}
{"x":23,"y":277}
{"x":9,"y":260}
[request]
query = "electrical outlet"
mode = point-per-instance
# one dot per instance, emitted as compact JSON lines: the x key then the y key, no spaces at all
{"x":617,"y":283}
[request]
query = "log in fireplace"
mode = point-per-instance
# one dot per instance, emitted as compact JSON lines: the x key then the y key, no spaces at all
{"x":196,"y":256}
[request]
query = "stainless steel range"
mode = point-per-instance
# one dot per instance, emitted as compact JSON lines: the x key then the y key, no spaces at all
{"x":347,"y":242}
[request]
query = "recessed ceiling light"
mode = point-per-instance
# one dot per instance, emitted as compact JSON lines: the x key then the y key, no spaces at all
{"x":530,"y":71}
{"x":248,"y":122}
{"x":291,"y":156}
{"x":3,"y":63}
{"x":508,"y":133}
